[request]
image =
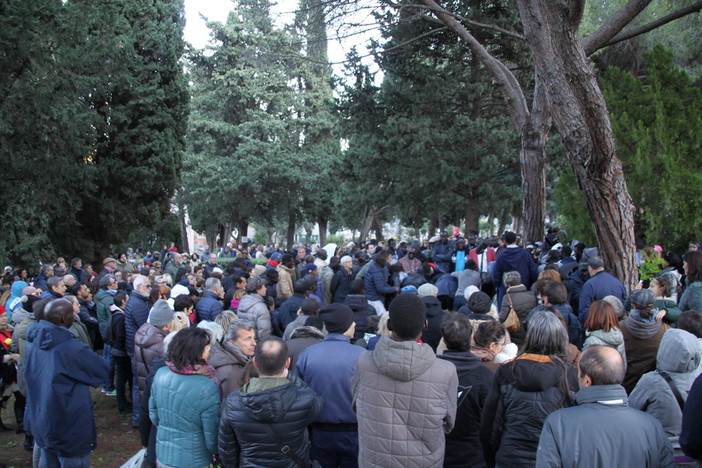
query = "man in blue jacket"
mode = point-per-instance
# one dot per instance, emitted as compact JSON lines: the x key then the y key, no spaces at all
{"x":210,"y":306}
{"x":513,"y":258}
{"x":376,"y":282}
{"x":58,"y":371}
{"x":328,"y":367}
{"x":600,"y":285}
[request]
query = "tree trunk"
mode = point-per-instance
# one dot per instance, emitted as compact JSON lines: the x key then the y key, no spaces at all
{"x":243,"y":227}
{"x":211,"y":236}
{"x":377,"y":226}
{"x":532,"y":158}
{"x":290,"y":233}
{"x":323,"y":226}
{"x":270,"y":233}
{"x":579,"y":112}
{"x":472,"y":215}
{"x":366,"y":226}
{"x":432,"y":227}
{"x":503,"y":223}
{"x":183,"y":229}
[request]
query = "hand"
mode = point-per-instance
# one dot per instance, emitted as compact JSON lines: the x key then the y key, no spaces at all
{"x":14,"y":357}
{"x":660,"y":315}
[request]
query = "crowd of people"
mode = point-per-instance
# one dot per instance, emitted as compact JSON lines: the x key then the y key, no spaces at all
{"x":455,"y":352}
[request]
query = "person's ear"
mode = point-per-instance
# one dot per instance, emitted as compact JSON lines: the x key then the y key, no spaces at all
{"x":255,"y":364}
{"x":287,"y":363}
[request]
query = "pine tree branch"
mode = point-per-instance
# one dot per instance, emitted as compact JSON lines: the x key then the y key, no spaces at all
{"x":477,"y":24}
{"x":613,"y":25}
{"x":504,"y":79}
{"x":633,"y":32}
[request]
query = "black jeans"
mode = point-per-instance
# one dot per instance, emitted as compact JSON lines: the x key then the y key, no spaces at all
{"x":123,"y":377}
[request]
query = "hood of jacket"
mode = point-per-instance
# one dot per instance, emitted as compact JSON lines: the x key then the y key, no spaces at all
{"x":46,"y":335}
{"x":148,"y":335}
{"x":678,"y":352}
{"x":535,"y":373}
{"x":613,"y":337}
{"x":104,"y":295}
{"x":267,"y":400}
{"x":402,"y":360}
{"x":433,"y":305}
{"x":513,"y":256}
{"x":305,"y":331}
{"x":611,"y":394}
{"x":642,"y":330}
{"x":249,"y":301}
{"x":465,"y":361}
{"x":356,"y":302}
{"x":227,"y":354}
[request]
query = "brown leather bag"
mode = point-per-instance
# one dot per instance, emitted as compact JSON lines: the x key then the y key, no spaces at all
{"x":511,"y":323}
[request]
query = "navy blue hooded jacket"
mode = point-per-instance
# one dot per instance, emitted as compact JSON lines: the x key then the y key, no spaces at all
{"x":513,"y":259}
{"x":58,"y":371}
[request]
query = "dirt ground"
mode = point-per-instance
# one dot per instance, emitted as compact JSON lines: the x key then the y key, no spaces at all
{"x":117,"y":440}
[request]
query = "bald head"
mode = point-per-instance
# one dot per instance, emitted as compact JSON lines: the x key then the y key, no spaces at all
{"x":601,"y":365}
{"x":271,"y":357}
{"x":59,"y":312}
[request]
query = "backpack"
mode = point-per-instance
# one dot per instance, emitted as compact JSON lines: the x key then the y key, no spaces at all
{"x":108,"y":334}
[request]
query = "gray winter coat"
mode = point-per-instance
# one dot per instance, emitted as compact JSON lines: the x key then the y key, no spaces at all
{"x":679,"y":357}
{"x":613,"y":338}
{"x":253,"y":308}
{"x":602,"y":431}
{"x":410,"y":431}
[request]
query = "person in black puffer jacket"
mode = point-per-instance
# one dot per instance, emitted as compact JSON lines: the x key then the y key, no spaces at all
{"x":525,"y":391}
{"x":357,"y":301}
{"x":275,"y":402}
{"x":435,"y":315}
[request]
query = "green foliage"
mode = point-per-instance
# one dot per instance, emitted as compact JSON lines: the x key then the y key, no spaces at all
{"x":434,"y":139}
{"x":93,"y":108}
{"x":260,"y":134}
{"x":681,"y":36}
{"x":657,"y":122}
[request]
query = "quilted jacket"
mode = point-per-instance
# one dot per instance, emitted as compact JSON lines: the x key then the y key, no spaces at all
{"x":185,"y":409}
{"x":253,"y":308}
{"x":525,"y":391}
{"x":410,"y":430}
{"x":288,"y":406}
{"x":209,"y":307}
{"x":148,"y":345}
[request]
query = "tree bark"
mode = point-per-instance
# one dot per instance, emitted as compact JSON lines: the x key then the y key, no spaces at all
{"x":472,"y":215}
{"x":290,"y":233}
{"x":503,"y":222}
{"x":243,"y":227}
{"x":580,"y":114}
{"x":432,"y":227}
{"x":366,"y":226}
{"x":377,"y":226}
{"x":323,"y":227}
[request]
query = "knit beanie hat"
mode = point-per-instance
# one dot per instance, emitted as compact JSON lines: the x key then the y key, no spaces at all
{"x":161,"y":314}
{"x":479,"y":303}
{"x":337,"y":318}
{"x":427,"y":289}
{"x":259,"y":270}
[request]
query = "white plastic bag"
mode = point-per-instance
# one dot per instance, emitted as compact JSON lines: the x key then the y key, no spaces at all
{"x":136,"y":460}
